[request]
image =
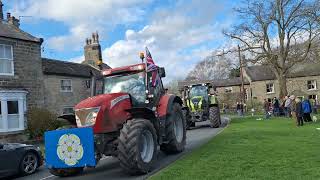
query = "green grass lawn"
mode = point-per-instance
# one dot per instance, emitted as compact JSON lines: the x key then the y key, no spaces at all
{"x":251,"y":149}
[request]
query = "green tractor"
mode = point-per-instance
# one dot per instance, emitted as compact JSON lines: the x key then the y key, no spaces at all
{"x":200,"y":105}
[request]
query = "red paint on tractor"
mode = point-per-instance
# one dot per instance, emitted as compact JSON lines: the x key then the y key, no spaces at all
{"x":109,"y":118}
{"x":163,"y":105}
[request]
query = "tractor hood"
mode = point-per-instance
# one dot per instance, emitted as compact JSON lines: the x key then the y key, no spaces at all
{"x":105,"y":113}
{"x":101,"y":100}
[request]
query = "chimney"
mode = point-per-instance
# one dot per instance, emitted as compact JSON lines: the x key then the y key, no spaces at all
{"x":1,"y":11}
{"x":12,"y":20}
{"x":92,"y":51}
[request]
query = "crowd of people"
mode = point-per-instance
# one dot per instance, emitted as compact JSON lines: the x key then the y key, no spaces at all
{"x":291,"y":107}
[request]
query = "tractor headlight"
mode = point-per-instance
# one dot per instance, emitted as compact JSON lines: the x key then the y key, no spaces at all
{"x":87,"y":117}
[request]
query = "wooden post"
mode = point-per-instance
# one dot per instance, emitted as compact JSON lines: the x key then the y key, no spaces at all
{"x":242,"y":93}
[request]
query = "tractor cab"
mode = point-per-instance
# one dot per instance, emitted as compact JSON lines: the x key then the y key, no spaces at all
{"x":144,"y":87}
{"x":197,"y":96}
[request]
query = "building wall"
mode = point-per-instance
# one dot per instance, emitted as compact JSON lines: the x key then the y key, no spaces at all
{"x":230,"y":98}
{"x":55,"y":100}
{"x":27,"y":71}
{"x":258,"y":89}
{"x":296,"y":86}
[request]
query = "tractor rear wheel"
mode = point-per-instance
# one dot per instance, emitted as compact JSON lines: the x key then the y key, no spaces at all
{"x":214,"y":116}
{"x":175,"y":131}
{"x":137,"y":148}
{"x":66,"y":172}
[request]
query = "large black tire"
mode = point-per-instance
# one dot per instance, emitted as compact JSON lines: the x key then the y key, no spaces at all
{"x":66,"y":172}
{"x":214,"y":117}
{"x":188,"y":122}
{"x":29,"y":163}
{"x":135,"y":136}
{"x":176,"y":138}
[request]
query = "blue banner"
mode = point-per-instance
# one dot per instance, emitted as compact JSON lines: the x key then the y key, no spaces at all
{"x":69,"y":148}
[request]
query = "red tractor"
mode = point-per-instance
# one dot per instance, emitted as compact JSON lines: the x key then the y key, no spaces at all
{"x":131,"y":119}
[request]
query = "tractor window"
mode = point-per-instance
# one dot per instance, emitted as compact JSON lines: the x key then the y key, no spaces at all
{"x":198,"y":91}
{"x":133,"y":84}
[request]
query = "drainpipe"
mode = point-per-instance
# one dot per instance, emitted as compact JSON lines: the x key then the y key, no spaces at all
{"x":93,"y":84}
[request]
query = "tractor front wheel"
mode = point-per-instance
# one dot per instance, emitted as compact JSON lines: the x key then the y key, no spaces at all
{"x":137,"y":148}
{"x":214,"y":116}
{"x":66,"y":172}
{"x":175,"y":131}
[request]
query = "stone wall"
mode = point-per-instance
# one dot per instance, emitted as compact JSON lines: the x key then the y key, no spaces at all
{"x":55,"y":100}
{"x":296,"y":86}
{"x":27,"y":71}
{"x":230,"y":98}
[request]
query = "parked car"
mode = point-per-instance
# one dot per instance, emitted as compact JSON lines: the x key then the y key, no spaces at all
{"x":18,"y":158}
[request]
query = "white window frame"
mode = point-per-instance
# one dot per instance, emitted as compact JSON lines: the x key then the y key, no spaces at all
{"x":61,"y":90}
{"x":313,"y":82}
{"x":313,"y":95}
{"x":228,"y":89}
{"x":269,"y":88}
{"x":12,"y":63}
{"x":66,"y":107}
{"x":6,"y":96}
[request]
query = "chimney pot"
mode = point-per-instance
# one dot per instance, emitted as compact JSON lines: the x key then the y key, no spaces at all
{"x":12,"y":20}
{"x":97,"y":37}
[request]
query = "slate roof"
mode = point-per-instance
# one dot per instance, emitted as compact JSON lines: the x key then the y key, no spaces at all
{"x":64,"y":68}
{"x":262,"y":73}
{"x":10,"y":31}
{"x":230,"y":82}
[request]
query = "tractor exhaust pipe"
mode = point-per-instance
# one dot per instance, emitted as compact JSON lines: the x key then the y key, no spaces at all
{"x":93,"y":84}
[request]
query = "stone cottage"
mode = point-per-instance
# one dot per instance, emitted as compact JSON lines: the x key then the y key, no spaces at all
{"x":27,"y":80}
{"x":261,"y":83}
{"x":302,"y":81}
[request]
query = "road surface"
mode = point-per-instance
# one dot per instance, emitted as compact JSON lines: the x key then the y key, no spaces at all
{"x":109,"y":167}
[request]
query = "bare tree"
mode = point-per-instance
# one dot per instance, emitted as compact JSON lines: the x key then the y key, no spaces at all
{"x":212,"y":67}
{"x":279,"y":33}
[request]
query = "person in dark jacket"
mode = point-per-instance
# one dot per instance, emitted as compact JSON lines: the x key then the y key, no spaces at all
{"x":276,"y":106}
{"x":298,"y":112}
{"x":266,"y":106}
{"x":307,"y":109}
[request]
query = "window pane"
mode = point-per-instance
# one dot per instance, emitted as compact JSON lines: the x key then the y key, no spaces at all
{"x":66,"y":82}
{"x":0,"y":109}
{"x":1,"y":51}
{"x":7,"y":52}
{"x":6,"y":66}
{"x":1,"y":122}
{"x":13,"y":107}
{"x":13,"y":121}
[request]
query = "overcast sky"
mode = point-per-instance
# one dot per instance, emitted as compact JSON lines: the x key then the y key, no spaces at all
{"x":179,"y":33}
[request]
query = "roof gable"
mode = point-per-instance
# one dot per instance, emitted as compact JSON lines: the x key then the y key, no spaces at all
{"x":10,"y":31}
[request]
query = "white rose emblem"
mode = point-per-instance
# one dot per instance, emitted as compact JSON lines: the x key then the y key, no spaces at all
{"x":70,"y":149}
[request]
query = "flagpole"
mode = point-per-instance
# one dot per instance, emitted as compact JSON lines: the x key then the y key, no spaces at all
{"x":146,"y":67}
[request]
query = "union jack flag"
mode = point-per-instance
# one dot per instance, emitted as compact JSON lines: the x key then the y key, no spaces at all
{"x":152,"y":67}
{"x":150,"y":63}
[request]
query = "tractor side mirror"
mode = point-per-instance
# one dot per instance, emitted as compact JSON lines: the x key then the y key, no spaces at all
{"x":162,"y":72}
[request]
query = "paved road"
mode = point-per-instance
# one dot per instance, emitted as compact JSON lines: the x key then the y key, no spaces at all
{"x":109,"y":167}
